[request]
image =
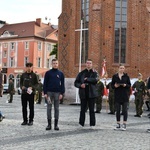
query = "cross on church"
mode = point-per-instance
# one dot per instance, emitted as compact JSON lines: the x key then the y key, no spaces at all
{"x":81,"y":29}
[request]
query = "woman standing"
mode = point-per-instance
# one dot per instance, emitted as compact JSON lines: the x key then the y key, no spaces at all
{"x":121,"y":85}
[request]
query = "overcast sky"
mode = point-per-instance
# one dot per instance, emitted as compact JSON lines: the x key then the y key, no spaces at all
{"x":15,"y":11}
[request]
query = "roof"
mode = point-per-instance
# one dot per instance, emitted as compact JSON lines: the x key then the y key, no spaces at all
{"x":27,"y":29}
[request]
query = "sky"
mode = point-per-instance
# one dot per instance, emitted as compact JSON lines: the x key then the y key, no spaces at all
{"x":17,"y":11}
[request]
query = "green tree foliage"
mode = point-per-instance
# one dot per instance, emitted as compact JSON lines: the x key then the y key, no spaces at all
{"x":54,"y":50}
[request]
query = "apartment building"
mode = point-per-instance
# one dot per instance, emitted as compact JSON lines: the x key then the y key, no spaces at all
{"x":26,"y":42}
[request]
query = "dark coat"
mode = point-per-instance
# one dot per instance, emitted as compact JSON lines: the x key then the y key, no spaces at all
{"x":121,"y":93}
{"x":91,"y":81}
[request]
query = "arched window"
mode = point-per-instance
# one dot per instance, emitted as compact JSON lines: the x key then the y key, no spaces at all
{"x":85,"y":33}
{"x":120,"y":31}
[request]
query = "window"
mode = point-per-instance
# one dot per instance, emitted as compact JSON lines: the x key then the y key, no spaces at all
{"x":48,"y":63}
{"x":4,"y":54}
{"x":26,"y":45}
{"x":26,"y":59}
{"x":85,"y":33}
{"x":4,"y":64}
{"x":39,"y":62}
{"x":11,"y":62}
{"x":120,"y":31}
{"x":12,"y":46}
{"x":49,"y":47}
{"x":5,"y":45}
{"x":39,"y":45}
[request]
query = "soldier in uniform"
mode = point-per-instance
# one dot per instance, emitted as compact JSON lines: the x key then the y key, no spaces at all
{"x":111,"y":98}
{"x":100,"y":88}
{"x":39,"y":90}
{"x":11,"y":90}
{"x":139,"y":92}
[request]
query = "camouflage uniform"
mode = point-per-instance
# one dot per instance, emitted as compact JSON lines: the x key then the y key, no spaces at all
{"x":139,"y":88}
{"x":111,"y":99}
{"x":100,"y":87}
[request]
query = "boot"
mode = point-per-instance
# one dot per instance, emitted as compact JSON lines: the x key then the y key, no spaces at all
{"x":49,"y":125}
{"x":56,"y":125}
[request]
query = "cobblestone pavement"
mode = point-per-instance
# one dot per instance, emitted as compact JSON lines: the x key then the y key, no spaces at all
{"x":71,"y":136}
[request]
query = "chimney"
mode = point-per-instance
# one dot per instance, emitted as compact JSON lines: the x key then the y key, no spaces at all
{"x":39,"y":21}
{"x":2,"y":23}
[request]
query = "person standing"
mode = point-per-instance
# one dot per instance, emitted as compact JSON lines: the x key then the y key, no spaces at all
{"x":54,"y":89}
{"x":39,"y":89}
{"x":28,"y":82}
{"x":86,"y":81}
{"x":100,"y":87}
{"x":121,"y":85}
{"x":139,"y":92}
{"x":1,"y":91}
{"x":111,"y":99}
{"x":11,"y":90}
{"x":148,"y":87}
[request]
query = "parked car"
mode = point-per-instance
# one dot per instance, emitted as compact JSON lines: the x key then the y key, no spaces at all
{"x":5,"y":88}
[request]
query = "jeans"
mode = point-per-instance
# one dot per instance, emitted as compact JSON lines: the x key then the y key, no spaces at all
{"x":124,"y":110}
{"x":54,"y":97}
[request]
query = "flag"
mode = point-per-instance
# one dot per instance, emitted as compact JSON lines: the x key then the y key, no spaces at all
{"x":104,"y":72}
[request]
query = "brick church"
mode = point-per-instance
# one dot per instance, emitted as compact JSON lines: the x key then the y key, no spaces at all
{"x":117,"y":30}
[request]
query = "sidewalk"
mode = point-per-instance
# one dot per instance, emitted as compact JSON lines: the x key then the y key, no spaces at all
{"x":13,"y":136}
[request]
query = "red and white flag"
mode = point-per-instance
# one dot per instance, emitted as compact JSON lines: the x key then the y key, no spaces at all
{"x":104,"y":72}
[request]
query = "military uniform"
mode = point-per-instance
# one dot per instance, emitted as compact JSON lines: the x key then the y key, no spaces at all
{"x":100,"y":87}
{"x":11,"y":90}
{"x":111,"y":99}
{"x":139,"y":88}
{"x":39,"y":91}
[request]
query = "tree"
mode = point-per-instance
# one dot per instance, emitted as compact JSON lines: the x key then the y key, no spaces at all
{"x":54,"y":50}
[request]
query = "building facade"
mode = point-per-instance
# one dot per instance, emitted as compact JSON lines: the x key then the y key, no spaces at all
{"x":117,"y":30}
{"x":26,"y":42}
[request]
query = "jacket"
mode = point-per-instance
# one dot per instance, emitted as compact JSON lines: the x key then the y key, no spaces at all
{"x":54,"y":81}
{"x":91,"y":82}
{"x":28,"y":80}
{"x":121,"y":93}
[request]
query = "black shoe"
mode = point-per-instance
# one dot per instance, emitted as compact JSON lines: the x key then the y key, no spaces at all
{"x":56,"y":128}
{"x":1,"y":118}
{"x":24,"y":123}
{"x":48,"y":127}
{"x":137,"y":116}
{"x":9,"y":102}
{"x":111,"y":113}
{"x":97,"y":112}
{"x":30,"y":123}
{"x":38,"y":103}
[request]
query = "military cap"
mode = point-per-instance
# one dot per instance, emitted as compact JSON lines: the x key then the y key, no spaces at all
{"x":139,"y":74}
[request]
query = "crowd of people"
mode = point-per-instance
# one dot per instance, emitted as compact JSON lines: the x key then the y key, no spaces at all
{"x":91,"y":92}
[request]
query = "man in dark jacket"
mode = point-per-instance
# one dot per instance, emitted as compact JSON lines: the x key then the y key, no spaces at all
{"x":121,"y":85}
{"x":28,"y":82}
{"x":86,"y":81}
{"x":148,"y":87}
{"x":54,"y":88}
